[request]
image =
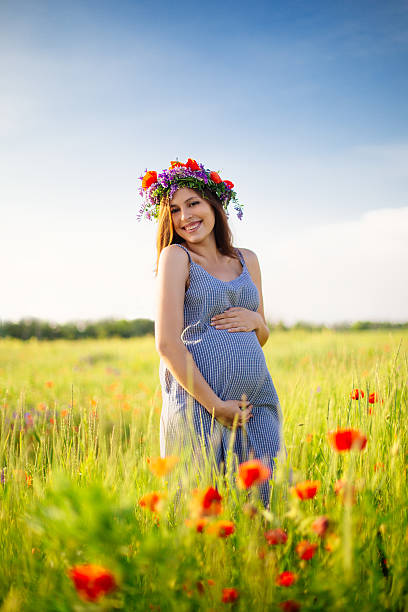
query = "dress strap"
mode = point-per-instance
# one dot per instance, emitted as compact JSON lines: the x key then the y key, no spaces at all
{"x":186,"y":250}
{"x":241,"y":257}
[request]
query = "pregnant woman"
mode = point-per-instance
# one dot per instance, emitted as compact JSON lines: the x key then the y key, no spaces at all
{"x":210,"y":324}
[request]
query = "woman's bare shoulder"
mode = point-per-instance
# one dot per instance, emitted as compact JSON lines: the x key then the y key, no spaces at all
{"x":174,"y":261}
{"x":249,"y":256}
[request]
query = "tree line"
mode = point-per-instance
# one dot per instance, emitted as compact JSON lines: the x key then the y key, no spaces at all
{"x":108,"y":328}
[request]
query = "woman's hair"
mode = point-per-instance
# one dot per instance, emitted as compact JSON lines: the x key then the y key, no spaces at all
{"x":223,"y":235}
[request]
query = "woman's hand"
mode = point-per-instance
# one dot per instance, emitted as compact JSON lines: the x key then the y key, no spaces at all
{"x":233,"y":409}
{"x":236,"y":319}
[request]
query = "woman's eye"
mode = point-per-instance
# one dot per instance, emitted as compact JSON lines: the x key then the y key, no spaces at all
{"x":192,"y":203}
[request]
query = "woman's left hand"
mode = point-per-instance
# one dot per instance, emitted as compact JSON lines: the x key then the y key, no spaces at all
{"x":236,"y":319}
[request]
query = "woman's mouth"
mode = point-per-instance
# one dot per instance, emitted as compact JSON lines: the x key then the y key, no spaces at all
{"x":192,"y":227}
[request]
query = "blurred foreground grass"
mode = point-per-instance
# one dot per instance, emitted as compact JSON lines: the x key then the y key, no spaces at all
{"x":79,"y":420}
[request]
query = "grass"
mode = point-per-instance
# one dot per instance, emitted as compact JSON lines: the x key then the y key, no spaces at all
{"x":79,"y":420}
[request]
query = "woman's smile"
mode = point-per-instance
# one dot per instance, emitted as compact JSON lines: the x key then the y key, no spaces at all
{"x":192,"y":227}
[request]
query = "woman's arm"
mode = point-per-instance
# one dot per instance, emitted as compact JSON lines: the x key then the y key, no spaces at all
{"x":172,"y":275}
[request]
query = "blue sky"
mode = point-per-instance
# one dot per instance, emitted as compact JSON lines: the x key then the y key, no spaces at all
{"x":301,"y":104}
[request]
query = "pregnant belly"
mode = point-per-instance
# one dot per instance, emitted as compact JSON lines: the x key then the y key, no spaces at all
{"x":232,"y":363}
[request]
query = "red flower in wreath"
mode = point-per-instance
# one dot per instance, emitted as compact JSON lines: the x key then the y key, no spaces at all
{"x":149,"y":178}
{"x":192,"y":164}
{"x":229,"y":184}
{"x":214,"y":176}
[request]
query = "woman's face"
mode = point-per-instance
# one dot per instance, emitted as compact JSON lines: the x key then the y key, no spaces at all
{"x":193,"y":217}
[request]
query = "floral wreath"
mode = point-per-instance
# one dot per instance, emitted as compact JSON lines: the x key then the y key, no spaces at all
{"x":191,"y":174}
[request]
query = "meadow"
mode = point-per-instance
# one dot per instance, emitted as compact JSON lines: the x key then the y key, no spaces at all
{"x":91,"y":520}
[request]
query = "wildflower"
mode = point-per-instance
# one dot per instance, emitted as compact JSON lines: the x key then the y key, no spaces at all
{"x":92,"y":581}
{"x":210,"y":582}
{"x":162,"y":466}
{"x":222,"y":529}
{"x":49,"y":384}
{"x":192,"y":164}
{"x":152,"y":501}
{"x":306,"y":550}
{"x":229,"y":595}
{"x":214,"y":176}
{"x":378,"y":466}
{"x":149,"y":179}
{"x":373,"y":398}
{"x":347,"y":439}
{"x":356,"y":394}
{"x":197,"y":524}
{"x":307,"y":489}
{"x":29,"y":479}
{"x":206,"y":503}
{"x":251,"y":473}
{"x":276,"y":536}
{"x":286,"y":579}
{"x":309,"y":437}
{"x":64,"y":412}
{"x":321,"y":525}
{"x":290,"y":605}
{"x":229,"y":184}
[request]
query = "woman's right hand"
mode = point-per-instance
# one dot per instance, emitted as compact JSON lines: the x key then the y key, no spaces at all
{"x":231,"y":409}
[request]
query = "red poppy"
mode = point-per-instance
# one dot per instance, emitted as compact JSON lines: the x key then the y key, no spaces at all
{"x":214,"y":176}
{"x":307,"y":489}
{"x":175,"y":164}
{"x":286,"y":579}
{"x":160,"y":466}
{"x":251,"y":473}
{"x":290,"y":605}
{"x":372,"y":398}
{"x":306,"y":550}
{"x":229,"y":184}
{"x":321,"y":525}
{"x":92,"y":581}
{"x":198,"y":524}
{"x":206,"y":503}
{"x":229,"y":595}
{"x":149,"y":178}
{"x":276,"y":536}
{"x":222,"y":529}
{"x":192,"y":164}
{"x":152,"y":501}
{"x":347,"y":439}
{"x":356,"y":393}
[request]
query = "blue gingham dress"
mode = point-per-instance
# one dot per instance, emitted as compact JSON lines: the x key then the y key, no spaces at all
{"x":233,"y":364}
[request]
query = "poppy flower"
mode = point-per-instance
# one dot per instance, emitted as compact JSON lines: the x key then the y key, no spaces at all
{"x":92,"y":581}
{"x":290,"y":605}
{"x":206,"y":503}
{"x":49,"y":384}
{"x":276,"y":536}
{"x":229,"y":184}
{"x":152,"y":501}
{"x":192,"y":164}
{"x":229,"y":595}
{"x":286,"y":579}
{"x":306,"y":550}
{"x":197,"y":524}
{"x":251,"y":473}
{"x":356,"y":394}
{"x":321,"y":525}
{"x":372,"y":398}
{"x":149,"y":179}
{"x":222,"y":529}
{"x":307,"y":489}
{"x":347,"y":439}
{"x":214,"y":176}
{"x":160,"y":466}
{"x":175,"y":164}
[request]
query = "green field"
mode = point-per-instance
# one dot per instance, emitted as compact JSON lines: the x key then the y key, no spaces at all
{"x":79,"y":421}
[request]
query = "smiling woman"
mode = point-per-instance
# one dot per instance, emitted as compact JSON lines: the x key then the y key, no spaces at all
{"x":210,"y":328}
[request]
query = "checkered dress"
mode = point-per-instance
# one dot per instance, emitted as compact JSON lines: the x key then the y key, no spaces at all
{"x":233,"y":364}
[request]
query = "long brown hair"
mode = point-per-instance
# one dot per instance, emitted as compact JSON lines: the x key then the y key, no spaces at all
{"x":223,"y":235}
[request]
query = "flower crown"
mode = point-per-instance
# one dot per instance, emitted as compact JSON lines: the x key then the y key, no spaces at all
{"x":191,"y":174}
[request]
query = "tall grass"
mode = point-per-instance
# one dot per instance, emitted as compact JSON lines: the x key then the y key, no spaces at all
{"x":80,"y":419}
